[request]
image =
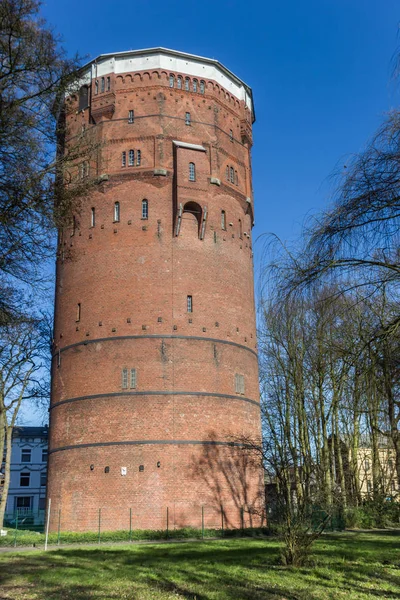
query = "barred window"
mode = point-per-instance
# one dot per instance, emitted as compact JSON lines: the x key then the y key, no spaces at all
{"x":202,"y":87}
{"x":145,"y":209}
{"x":187,"y":118}
{"x":131,"y":160}
{"x":192,"y":171}
{"x":124,"y":379}
{"x":179,"y":82}
{"x":117,"y":212}
{"x":239,"y":384}
{"x":131,"y":116}
{"x":138,"y":158}
{"x":190,"y":304}
{"x":102,"y":84}
{"x":123,"y":159}
{"x":223,"y":220}
{"x":133,"y":379}
{"x":171,"y":81}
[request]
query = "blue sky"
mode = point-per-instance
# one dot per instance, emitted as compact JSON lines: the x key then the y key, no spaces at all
{"x":320,"y":72}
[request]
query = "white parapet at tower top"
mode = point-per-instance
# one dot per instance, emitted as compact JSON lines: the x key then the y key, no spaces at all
{"x":168,"y":60}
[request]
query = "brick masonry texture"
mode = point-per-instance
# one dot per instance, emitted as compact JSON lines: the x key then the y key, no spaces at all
{"x":131,"y":280}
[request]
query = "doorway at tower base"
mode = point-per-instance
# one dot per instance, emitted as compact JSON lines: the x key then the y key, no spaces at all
{"x":155,"y":488}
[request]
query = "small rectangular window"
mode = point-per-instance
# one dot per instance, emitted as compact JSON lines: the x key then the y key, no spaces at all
{"x":239,"y":384}
{"x":124,"y":379}
{"x":43,"y":479}
{"x":131,"y":116}
{"x":42,"y":503}
{"x":223,"y":220}
{"x":24,"y":479}
{"x":44,"y":455}
{"x":192,"y":172}
{"x":26,"y":454}
{"x":133,"y":379}
{"x":78,"y":312}
{"x":187,"y":118}
{"x":190,"y":304}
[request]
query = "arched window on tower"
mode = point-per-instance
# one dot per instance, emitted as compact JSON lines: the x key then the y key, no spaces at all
{"x":232,"y":175}
{"x":223,"y":220}
{"x":92,"y":217}
{"x":227,"y":172}
{"x":195,"y":83}
{"x":202,"y":87}
{"x":145,"y":209}
{"x":240,"y":229}
{"x":171,"y":81}
{"x":131,"y":161}
{"x":138,"y":158}
{"x":236,"y":178}
{"x":131,"y":116}
{"x":108,"y":84}
{"x":187,"y":84}
{"x":192,"y":171}
{"x":179,"y":82}
{"x":103,"y":84}
{"x":123,"y":159}
{"x":117,"y":212}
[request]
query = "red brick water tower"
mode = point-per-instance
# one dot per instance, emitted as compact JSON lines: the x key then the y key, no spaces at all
{"x":155,"y":375}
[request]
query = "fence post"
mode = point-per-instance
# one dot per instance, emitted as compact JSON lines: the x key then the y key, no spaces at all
{"x":222,"y":521}
{"x":130,"y":524}
{"x":47,"y":524}
{"x":59,"y":527}
{"x":202,"y":521}
{"x":167,"y":523}
{"x":16,"y":529}
{"x":99,"y":523}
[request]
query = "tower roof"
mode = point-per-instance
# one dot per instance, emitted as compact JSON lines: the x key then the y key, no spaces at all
{"x":174,"y":60}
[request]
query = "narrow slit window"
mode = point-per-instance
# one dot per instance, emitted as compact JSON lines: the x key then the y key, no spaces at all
{"x":133,"y":379}
{"x":171,"y":81}
{"x":102,"y":84}
{"x":240,"y":229}
{"x":223,"y":220}
{"x":145,"y":209}
{"x":195,"y":84}
{"x":179,"y":82}
{"x":202,"y":87}
{"x":231,"y":135}
{"x":227,"y":173}
{"x":232,"y":175}
{"x":108,"y":84}
{"x":131,"y":116}
{"x":239,"y":384}
{"x":131,"y":161}
{"x":78,"y":312}
{"x":189,"y":304}
{"x":117,"y":212}
{"x":124,"y":381}
{"x":96,"y":87}
{"x":192,"y":171}
{"x":236,"y":178}
{"x":92,"y":217}
{"x":73,"y":225}
{"x":138,"y":158}
{"x":123,"y":159}
{"x":187,"y":84}
{"x":187,"y":118}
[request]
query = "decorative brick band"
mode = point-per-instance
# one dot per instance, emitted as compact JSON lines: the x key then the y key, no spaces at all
{"x":155,"y":336}
{"x":149,"y":442}
{"x":155,"y":393}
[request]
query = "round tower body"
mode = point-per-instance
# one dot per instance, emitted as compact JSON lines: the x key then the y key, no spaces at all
{"x":155,"y":374}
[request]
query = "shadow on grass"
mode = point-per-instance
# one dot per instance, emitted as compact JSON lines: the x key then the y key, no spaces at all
{"x":235,"y":569}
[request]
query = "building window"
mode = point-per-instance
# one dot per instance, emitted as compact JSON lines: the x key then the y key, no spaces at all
{"x":232,"y":175}
{"x":123,"y":161}
{"x":369,"y":486}
{"x":138,"y":158}
{"x":24,"y":479}
{"x":223,"y":220}
{"x":231,"y":135}
{"x":239,"y":384}
{"x":192,"y":171}
{"x":23,"y":504}
{"x":78,"y":312}
{"x":131,"y":160}
{"x":133,"y":379}
{"x":26,"y":454}
{"x":43,"y":479}
{"x":44,"y":455}
{"x":187,"y":84}
{"x":202,"y":87}
{"x":124,"y":379}
{"x":117,"y":212}
{"x":42,"y":503}
{"x":195,"y":85}
{"x":190,"y":304}
{"x":96,"y":87}
{"x":131,"y":116}
{"x":145,"y":209}
{"x":187,"y":118}
{"x":236,"y":178}
{"x":92,"y":217}
{"x":240,"y":229}
{"x":83,"y":97}
{"x":179,"y":82}
{"x":227,"y":172}
{"x":108,"y":84}
{"x":102,"y":84}
{"x":171,"y":81}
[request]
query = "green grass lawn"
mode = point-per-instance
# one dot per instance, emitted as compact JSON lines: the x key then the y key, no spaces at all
{"x":349,"y":565}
